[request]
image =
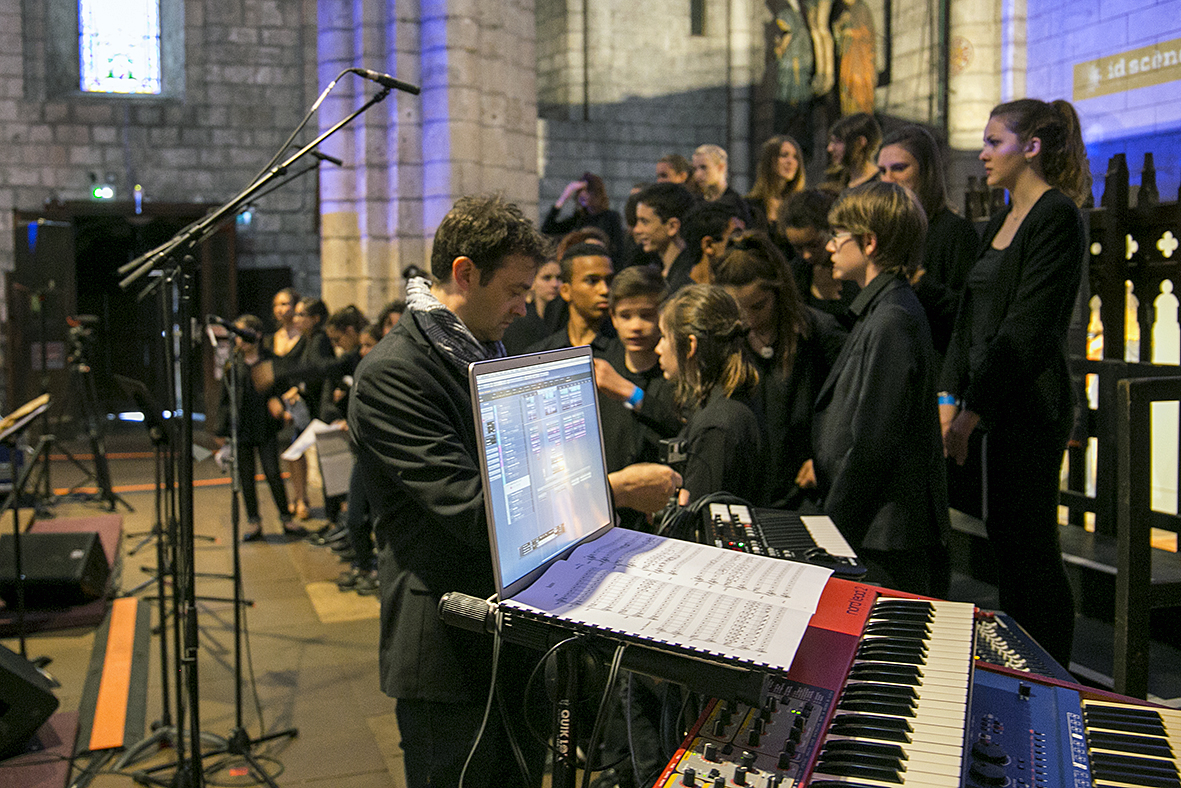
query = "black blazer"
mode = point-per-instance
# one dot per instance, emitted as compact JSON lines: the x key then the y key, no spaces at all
{"x":411,"y":415}
{"x":1020,"y":374}
{"x":878,"y":446}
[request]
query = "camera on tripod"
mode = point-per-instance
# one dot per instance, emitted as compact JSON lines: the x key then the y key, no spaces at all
{"x":80,"y":339}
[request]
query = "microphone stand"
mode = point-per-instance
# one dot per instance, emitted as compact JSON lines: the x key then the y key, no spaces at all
{"x":239,"y":742}
{"x":172,"y":256}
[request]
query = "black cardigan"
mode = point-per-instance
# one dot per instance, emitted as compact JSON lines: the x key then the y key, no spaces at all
{"x":1021,"y":375}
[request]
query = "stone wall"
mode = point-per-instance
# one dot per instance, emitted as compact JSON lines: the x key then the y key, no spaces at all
{"x":249,"y":75}
{"x":472,"y":130}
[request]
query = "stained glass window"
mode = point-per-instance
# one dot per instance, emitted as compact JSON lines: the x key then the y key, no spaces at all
{"x":119,"y":45}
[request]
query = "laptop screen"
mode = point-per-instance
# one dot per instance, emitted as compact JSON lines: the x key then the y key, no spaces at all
{"x":545,"y":474}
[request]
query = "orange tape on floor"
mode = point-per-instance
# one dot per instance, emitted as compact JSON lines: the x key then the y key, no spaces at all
{"x":110,"y":711}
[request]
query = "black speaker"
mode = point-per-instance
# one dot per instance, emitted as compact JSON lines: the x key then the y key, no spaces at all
{"x":61,"y":569}
{"x":26,"y":702}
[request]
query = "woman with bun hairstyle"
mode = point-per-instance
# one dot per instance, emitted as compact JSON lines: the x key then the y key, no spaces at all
{"x":910,"y":157}
{"x":1006,"y":372}
{"x":702,"y":350}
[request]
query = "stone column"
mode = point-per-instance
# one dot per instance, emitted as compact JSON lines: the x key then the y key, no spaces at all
{"x":473,"y":129}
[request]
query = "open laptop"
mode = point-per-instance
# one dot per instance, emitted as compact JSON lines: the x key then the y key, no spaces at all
{"x":542,"y":459}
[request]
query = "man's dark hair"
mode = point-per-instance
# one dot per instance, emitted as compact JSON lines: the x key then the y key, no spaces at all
{"x":667,"y":200}
{"x":710,"y":219}
{"x":348,"y":317}
{"x":807,"y":210}
{"x":486,"y":229}
{"x":580,"y":250}
{"x":637,"y":281}
{"x":678,"y":162}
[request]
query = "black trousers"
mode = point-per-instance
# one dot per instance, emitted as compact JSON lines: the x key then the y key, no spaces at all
{"x":268,"y":457}
{"x":1021,"y":469}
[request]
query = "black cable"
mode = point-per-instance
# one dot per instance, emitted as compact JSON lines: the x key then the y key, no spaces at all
{"x":488,"y":704}
{"x":529,"y":683}
{"x":600,"y":718}
{"x":512,"y":739}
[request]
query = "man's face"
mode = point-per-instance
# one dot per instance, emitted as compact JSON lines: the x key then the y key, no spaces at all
{"x":650,"y":232}
{"x":709,"y":173}
{"x":809,"y":243}
{"x":367,"y":343}
{"x":489,"y":309}
{"x":666,"y":173}
{"x":637,"y":322}
{"x":589,"y":284}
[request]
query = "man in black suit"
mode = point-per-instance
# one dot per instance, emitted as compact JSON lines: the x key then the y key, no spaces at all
{"x":878,"y":451}
{"x":410,"y":413}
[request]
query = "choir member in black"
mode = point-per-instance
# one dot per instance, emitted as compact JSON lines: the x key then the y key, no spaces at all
{"x":878,"y":454}
{"x":635,"y":401}
{"x":910,"y":157}
{"x":852,"y":146}
{"x":703,"y":352}
{"x":531,"y":329}
{"x":259,"y":421}
{"x":302,"y":371}
{"x":592,"y":209}
{"x":586,"y":271}
{"x":705,"y":229}
{"x":779,"y":174}
{"x":1006,"y":371}
{"x":793,"y":346}
{"x":805,"y":225}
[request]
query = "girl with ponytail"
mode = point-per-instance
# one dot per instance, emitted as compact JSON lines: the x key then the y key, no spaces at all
{"x":702,"y":352}
{"x":1006,"y":382}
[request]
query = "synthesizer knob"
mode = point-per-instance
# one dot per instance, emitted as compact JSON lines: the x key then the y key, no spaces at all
{"x":689,"y":778}
{"x":719,"y":727}
{"x":989,"y":751}
{"x":719,"y":782}
{"x":747,"y":759}
{"x":710,"y":751}
{"x":753,"y":738}
{"x":988,"y":774}
{"x":740,"y":775}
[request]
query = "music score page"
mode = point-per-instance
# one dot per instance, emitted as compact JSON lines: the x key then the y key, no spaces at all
{"x":702,"y":598}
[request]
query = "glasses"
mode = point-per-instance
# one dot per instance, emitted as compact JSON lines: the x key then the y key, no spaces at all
{"x":837,"y":240}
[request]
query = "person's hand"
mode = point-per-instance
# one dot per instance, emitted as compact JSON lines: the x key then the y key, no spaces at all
{"x":646,"y":486}
{"x":955,"y":438}
{"x":338,"y":394}
{"x":291,"y":395}
{"x":611,"y":383}
{"x":806,"y":478}
{"x":276,"y":409}
{"x":916,"y":276}
{"x":572,"y":188}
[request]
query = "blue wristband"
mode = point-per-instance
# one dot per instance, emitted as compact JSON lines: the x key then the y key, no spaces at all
{"x":947,"y":399}
{"x":635,"y":399}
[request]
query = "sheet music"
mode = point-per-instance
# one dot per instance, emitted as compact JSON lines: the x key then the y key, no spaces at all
{"x":700,"y":597}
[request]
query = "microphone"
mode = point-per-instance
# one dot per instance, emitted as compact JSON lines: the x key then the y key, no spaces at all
{"x":467,"y":612}
{"x":327,"y":158}
{"x":246,"y":334}
{"x":386,"y":81}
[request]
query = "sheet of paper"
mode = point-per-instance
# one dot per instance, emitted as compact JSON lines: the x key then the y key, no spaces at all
{"x":699,"y":597}
{"x":307,"y":439}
